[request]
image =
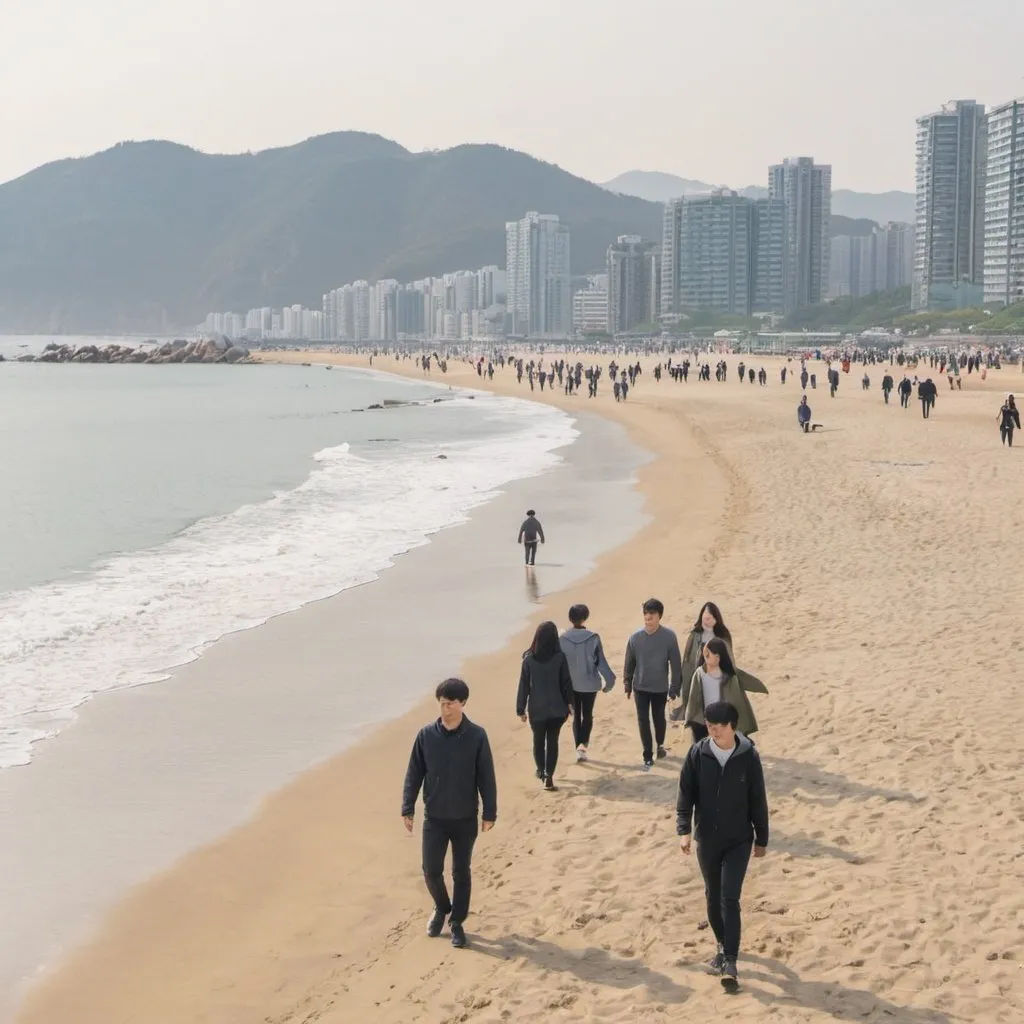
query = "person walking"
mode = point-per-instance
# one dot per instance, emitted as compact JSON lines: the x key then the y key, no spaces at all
{"x":718,"y":679}
{"x":451,"y":762}
{"x":905,"y":388}
{"x":722,"y":803}
{"x":803,"y":415}
{"x":587,"y":667}
{"x":529,"y":533}
{"x":545,"y":698}
{"x":887,"y":385}
{"x":1009,"y":418}
{"x":927,"y":392}
{"x":708,"y":624}
{"x":653,"y":670}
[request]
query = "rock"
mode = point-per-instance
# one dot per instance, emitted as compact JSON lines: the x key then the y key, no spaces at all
{"x":991,"y":956}
{"x":235,"y":354}
{"x":391,"y":403}
{"x":26,"y":358}
{"x":376,"y":405}
{"x":442,"y":456}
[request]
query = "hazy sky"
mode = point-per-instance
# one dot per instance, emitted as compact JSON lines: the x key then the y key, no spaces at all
{"x":715,"y":90}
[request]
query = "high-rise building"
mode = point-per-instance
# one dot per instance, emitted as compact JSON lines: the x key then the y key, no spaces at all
{"x":806,"y":190}
{"x":360,"y":311}
{"x":879,"y":262}
{"x":894,"y":256}
{"x":950,"y":213}
{"x":538,"y":276}
{"x":722,"y":252}
{"x":630,"y":272}
{"x":1004,"y":205}
{"x":590,"y":311}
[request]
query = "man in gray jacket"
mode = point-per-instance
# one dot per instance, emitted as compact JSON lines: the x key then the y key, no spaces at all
{"x":652,"y":653}
{"x":529,"y":533}
{"x":587,"y":666}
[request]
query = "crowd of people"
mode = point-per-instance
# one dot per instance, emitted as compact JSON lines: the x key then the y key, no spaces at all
{"x":721,"y":799}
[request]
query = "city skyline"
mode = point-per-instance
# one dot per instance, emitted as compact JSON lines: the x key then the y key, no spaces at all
{"x":131,"y":73}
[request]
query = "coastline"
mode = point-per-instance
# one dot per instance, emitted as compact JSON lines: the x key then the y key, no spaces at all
{"x":262,"y":705}
{"x":582,"y":910}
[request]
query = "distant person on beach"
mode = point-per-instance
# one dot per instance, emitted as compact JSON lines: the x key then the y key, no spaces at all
{"x":653,"y":670}
{"x":587,"y":667}
{"x":722,"y":804}
{"x":529,"y":533}
{"x":905,"y":389}
{"x":709,"y":624}
{"x":451,"y":761}
{"x":803,"y":415}
{"x":718,"y":679}
{"x":545,"y":698}
{"x":927,"y":392}
{"x":1009,"y":418}
{"x":887,"y":385}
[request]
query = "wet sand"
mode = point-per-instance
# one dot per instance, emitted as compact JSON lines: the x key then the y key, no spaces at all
{"x":867,"y":575}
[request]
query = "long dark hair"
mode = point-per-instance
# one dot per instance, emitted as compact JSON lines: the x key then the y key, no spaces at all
{"x":716,"y":645}
{"x":721,"y":629}
{"x":545,"y":642}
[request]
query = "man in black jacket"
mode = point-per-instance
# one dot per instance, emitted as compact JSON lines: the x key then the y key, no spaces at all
{"x":451,"y":760}
{"x":722,"y":787}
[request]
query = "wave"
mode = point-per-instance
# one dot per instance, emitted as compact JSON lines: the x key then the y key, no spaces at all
{"x":135,"y":616}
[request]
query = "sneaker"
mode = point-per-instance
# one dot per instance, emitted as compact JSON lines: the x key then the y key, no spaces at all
{"x":729,"y":979}
{"x":458,"y":936}
{"x":436,"y":924}
{"x":662,"y":752}
{"x":540,"y":774}
{"x":648,"y":765}
{"x":549,"y":784}
{"x":581,"y":753}
{"x":717,"y":962}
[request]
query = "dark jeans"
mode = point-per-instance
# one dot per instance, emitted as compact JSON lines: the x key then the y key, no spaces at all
{"x":699,"y":731}
{"x":530,"y":549}
{"x":648,"y":706}
{"x":1006,"y":433}
{"x":545,"y":744}
{"x":926,"y":407}
{"x":724,"y":869}
{"x":437,"y":834}
{"x":582,"y":717}
{"x":904,"y":400}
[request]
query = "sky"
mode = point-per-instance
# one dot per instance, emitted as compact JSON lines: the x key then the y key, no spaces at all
{"x":715,"y":91}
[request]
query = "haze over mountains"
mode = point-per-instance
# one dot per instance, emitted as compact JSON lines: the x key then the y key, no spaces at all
{"x":659,"y":187}
{"x":150,"y":236}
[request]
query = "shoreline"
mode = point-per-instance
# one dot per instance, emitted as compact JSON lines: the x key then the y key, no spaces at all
{"x":583,"y":909}
{"x":147,"y":748}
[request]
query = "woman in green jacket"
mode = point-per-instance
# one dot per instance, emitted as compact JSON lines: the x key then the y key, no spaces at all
{"x":708,"y":625}
{"x":718,"y":679}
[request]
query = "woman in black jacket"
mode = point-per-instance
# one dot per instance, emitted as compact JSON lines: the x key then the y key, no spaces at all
{"x":545,"y":696}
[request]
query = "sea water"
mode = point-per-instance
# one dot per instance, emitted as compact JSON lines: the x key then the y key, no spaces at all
{"x":146,"y":511}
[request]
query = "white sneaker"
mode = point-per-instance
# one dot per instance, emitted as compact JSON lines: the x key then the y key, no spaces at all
{"x":581,"y":753}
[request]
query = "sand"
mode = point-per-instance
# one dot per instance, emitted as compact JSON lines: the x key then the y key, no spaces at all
{"x":867,"y":574}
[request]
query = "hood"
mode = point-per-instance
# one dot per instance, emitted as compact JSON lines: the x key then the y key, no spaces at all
{"x":741,"y":747}
{"x":578,"y":636}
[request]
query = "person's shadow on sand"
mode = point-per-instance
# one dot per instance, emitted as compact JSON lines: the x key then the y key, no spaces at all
{"x":593,"y":966}
{"x":832,"y":998}
{"x":824,"y":787}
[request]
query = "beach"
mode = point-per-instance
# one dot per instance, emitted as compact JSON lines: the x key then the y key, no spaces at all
{"x":866,"y":573}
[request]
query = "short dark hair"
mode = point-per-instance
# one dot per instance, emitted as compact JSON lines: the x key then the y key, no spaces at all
{"x":578,"y":614}
{"x":452,"y":689}
{"x":653,"y":605}
{"x":530,"y":512}
{"x":721,"y":712}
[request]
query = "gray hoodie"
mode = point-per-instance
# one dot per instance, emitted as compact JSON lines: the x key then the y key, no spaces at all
{"x":587,"y":663}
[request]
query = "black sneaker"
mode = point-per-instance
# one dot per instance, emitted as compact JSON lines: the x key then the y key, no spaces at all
{"x":729,"y":979}
{"x":436,"y":924}
{"x":458,"y":936}
{"x":717,"y":962}
{"x":662,"y":752}
{"x":549,"y":784}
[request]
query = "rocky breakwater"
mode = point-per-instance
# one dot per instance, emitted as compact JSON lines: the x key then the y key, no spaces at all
{"x":218,"y":351}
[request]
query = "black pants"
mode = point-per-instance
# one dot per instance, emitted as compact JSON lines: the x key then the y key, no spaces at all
{"x":530,"y":550}
{"x":926,"y":407}
{"x":545,"y":744}
{"x":904,"y":400}
{"x":437,"y":834}
{"x":886,"y":393}
{"x":1006,"y":433}
{"x":648,"y":706}
{"x":582,"y":717}
{"x":724,"y":868}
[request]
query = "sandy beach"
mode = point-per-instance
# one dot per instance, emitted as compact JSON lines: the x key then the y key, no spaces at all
{"x":867,"y":575}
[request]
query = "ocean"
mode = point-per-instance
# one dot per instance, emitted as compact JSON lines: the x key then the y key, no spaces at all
{"x":147,"y":511}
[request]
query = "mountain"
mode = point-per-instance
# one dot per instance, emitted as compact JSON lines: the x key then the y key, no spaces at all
{"x":151,"y":236}
{"x":658,"y":187}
